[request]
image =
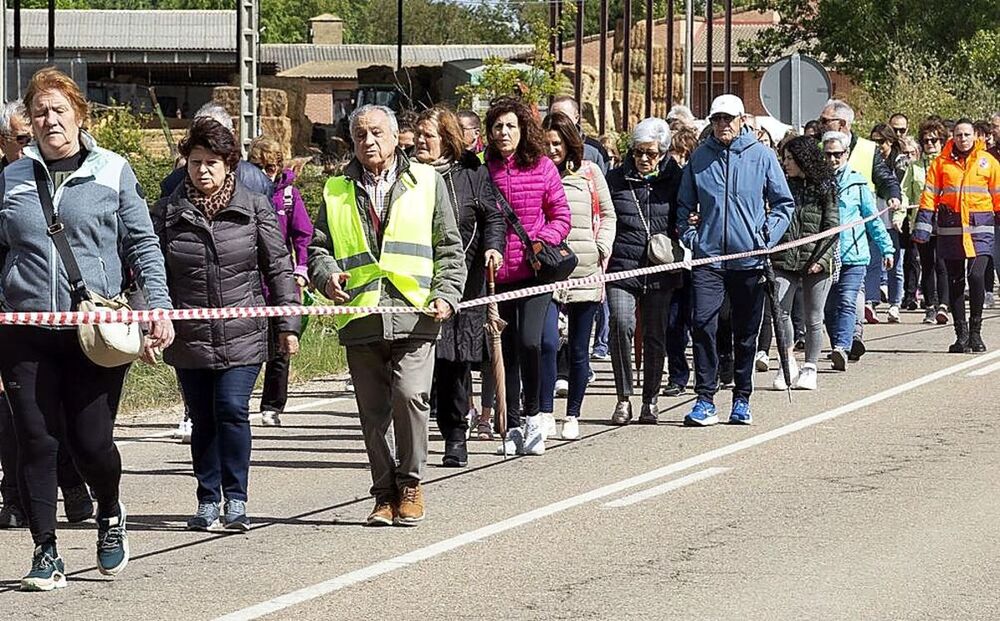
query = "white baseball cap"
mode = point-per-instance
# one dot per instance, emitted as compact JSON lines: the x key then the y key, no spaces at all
{"x":727,"y":104}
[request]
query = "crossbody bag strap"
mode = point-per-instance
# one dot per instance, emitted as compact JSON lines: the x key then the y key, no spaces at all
{"x":56,"y":230}
{"x":638,"y":207}
{"x":515,"y":223}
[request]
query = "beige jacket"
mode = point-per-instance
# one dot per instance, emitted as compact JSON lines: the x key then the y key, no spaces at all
{"x":591,"y":250}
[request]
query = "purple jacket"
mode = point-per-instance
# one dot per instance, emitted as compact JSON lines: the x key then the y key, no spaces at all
{"x":537,"y":197}
{"x":296,"y":227}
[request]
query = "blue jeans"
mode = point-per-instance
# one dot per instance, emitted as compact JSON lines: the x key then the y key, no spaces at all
{"x":581,"y":322}
{"x":842,"y":305}
{"x":550,"y":353}
{"x":219,"y":404}
{"x":601,"y":329}
{"x":894,"y":277}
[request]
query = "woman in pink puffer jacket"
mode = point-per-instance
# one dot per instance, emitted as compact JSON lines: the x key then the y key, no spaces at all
{"x":531,"y":185}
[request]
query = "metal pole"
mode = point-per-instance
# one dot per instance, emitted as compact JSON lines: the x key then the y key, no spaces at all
{"x":246,"y":51}
{"x":559,"y":32}
{"x":670,"y":52}
{"x":3,"y":57}
{"x":626,"y":63}
{"x":51,"y":53}
{"x":796,"y":91}
{"x":578,"y":55}
{"x":552,"y":29}
{"x":649,"y":58}
{"x":709,"y":65}
{"x":399,"y":35}
{"x":728,"y":71}
{"x":602,"y":81}
{"x":689,"y":54}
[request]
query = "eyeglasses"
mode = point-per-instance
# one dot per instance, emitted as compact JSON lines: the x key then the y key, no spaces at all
{"x":834,"y":155}
{"x":724,"y":119}
{"x":931,"y":141}
{"x":825,"y":120}
{"x":642,"y":153}
{"x":21,"y":139}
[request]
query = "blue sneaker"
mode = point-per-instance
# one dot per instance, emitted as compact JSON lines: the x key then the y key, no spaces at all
{"x":47,"y":570}
{"x":741,"y":412}
{"x":112,"y":543}
{"x":702,"y":414}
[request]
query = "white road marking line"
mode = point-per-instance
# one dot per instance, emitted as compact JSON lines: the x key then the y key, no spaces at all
{"x":366,"y":573}
{"x":302,"y":407}
{"x":985,"y":370}
{"x":669,"y":486}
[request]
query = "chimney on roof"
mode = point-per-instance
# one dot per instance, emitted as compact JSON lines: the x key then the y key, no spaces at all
{"x":326,"y":29}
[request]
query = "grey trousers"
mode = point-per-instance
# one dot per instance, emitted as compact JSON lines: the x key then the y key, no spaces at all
{"x":392,"y":384}
{"x":654,"y":305}
{"x":815,"y":288}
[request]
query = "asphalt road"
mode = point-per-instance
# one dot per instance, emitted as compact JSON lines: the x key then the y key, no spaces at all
{"x":871,"y":498}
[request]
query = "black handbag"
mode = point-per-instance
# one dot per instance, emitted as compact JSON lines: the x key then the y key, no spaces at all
{"x":551,"y":263}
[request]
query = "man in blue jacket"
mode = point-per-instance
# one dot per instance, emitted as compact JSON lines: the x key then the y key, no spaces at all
{"x":720,"y":211}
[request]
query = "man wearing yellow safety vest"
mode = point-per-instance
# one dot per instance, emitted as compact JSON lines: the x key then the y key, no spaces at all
{"x":388,"y":237}
{"x":838,"y":116}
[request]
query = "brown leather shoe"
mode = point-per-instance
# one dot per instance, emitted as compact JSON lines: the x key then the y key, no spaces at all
{"x":411,"y":505}
{"x":383,"y":514}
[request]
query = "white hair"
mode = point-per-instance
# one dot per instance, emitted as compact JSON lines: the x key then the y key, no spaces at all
{"x":995,"y":117}
{"x":842,"y":109}
{"x":652,"y":129}
{"x":840,"y":137}
{"x":682,"y":113}
{"x":11,"y":110}
{"x":369,"y":108}
{"x":217,"y":113}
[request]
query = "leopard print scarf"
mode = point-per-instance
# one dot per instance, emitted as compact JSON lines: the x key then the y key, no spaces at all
{"x":211,"y":205}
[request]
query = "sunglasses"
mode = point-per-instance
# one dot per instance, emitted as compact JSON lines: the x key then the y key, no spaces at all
{"x":899,"y":130}
{"x":725,"y":119}
{"x":652,"y":155}
{"x":827,"y":120}
{"x":21,"y":139}
{"x":834,"y":155}
{"x":931,"y":141}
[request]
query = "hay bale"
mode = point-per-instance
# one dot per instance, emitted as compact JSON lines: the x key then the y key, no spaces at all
{"x":278,"y":128}
{"x":272,"y":102}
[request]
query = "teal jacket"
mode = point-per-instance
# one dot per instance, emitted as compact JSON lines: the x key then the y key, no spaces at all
{"x":857,"y":202}
{"x":107,"y":223}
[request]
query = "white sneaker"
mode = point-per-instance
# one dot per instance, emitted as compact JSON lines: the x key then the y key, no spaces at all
{"x":807,"y":378}
{"x":779,"y":378}
{"x":513,"y":444}
{"x":893,"y":314}
{"x":761,"y":362}
{"x":989,"y":302}
{"x":186,"y":434}
{"x":349,"y":385}
{"x":571,"y":428}
{"x":534,"y":438}
{"x":548,"y":425}
{"x":269,"y":418}
{"x":562,"y":388}
{"x":181,"y":427}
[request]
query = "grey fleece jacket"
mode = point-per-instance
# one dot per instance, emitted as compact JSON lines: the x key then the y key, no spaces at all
{"x":449,"y":264}
{"x":107,"y":223}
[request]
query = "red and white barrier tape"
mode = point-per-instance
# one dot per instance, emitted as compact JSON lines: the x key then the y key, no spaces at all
{"x":73,"y":318}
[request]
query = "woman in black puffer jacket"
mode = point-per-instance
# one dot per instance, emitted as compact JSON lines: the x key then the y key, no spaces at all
{"x":814,"y":187}
{"x":219,"y":240}
{"x":439,"y":144}
{"x":644,"y":191}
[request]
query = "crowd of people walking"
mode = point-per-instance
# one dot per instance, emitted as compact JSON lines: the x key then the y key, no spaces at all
{"x":514,"y":200}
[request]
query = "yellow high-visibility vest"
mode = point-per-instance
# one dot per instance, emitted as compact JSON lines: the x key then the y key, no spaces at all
{"x":862,"y":160}
{"x":407,"y":257}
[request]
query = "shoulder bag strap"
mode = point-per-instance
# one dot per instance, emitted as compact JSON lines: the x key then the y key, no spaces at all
{"x":57,"y":231}
{"x":638,"y":207}
{"x":515,"y":223}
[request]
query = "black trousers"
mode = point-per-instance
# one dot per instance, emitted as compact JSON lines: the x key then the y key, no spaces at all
{"x":522,"y":351}
{"x":54,"y":389}
{"x":66,"y":471}
{"x":933,"y":275}
{"x":450,"y":397}
{"x":911,"y":263}
{"x":274,"y":395}
{"x":975,"y":270}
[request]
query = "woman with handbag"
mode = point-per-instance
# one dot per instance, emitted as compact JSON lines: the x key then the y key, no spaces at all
{"x":86,"y":201}
{"x":221,"y":243}
{"x":644,"y":192}
{"x":590,"y":238}
{"x":813,"y":183}
{"x":533,"y":202}
{"x":439,"y":144}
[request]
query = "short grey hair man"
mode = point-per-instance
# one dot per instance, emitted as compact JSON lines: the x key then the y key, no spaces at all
{"x":11,"y":110}
{"x":841,"y":110}
{"x":217,"y":113}
{"x":842,"y":140}
{"x":367,"y":109}
{"x":652,"y":129}
{"x":680,"y":115}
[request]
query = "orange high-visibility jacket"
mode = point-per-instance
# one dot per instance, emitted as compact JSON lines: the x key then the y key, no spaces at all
{"x":964,"y":197}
